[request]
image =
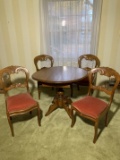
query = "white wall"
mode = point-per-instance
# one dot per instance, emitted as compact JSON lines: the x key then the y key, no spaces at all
{"x":109,"y":42}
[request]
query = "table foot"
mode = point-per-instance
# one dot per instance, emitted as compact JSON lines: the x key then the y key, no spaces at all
{"x":60,"y":101}
{"x":51,"y":109}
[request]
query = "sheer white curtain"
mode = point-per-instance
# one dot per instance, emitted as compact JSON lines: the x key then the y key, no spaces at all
{"x":69,"y":28}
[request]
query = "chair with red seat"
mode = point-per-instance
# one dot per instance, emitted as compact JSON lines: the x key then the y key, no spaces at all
{"x":95,"y":107}
{"x":14,"y":79}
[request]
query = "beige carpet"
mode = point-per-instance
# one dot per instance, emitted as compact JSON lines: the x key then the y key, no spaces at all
{"x":55,"y":139}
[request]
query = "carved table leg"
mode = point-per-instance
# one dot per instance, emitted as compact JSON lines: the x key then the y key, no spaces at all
{"x":60,"y":101}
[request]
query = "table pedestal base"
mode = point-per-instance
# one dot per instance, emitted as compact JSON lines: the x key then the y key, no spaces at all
{"x":60,"y":101}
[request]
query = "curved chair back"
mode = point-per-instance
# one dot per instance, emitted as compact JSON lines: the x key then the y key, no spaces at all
{"x":87,"y":62}
{"x":90,"y":58}
{"x":41,"y":58}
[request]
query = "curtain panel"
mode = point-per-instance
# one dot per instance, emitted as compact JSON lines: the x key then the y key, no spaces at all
{"x":69,"y":28}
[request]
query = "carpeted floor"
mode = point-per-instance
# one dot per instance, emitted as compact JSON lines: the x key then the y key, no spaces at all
{"x":55,"y":139}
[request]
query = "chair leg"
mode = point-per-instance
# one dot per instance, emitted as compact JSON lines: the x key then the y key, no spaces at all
{"x":71,"y":88}
{"x":96,"y":128}
{"x":39,"y":120}
{"x":78,"y":87}
{"x":106,"y":119}
{"x":73,"y":117}
{"x":39,"y":91}
{"x":10,"y":124}
{"x":52,"y":88}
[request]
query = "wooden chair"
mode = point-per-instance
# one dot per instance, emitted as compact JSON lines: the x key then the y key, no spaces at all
{"x":44,"y":58}
{"x":1,"y":91}
{"x":96,"y":107}
{"x":12,"y":78}
{"x":87,"y":62}
{"x":1,"y":87}
{"x":41,"y":58}
{"x":37,"y":60}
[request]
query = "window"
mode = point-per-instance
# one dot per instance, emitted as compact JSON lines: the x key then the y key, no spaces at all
{"x":72,"y":28}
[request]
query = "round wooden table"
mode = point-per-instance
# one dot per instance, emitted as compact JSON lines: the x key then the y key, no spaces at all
{"x":59,"y":76}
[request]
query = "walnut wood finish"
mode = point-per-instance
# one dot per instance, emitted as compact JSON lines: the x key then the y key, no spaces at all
{"x":59,"y":76}
{"x":90,"y":58}
{"x":1,"y":91}
{"x":40,"y":58}
{"x":14,"y":77}
{"x":43,"y":57}
{"x":94,"y":108}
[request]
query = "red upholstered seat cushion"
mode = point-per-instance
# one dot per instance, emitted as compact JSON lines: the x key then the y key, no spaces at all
{"x":90,"y":106}
{"x":20,"y":102}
